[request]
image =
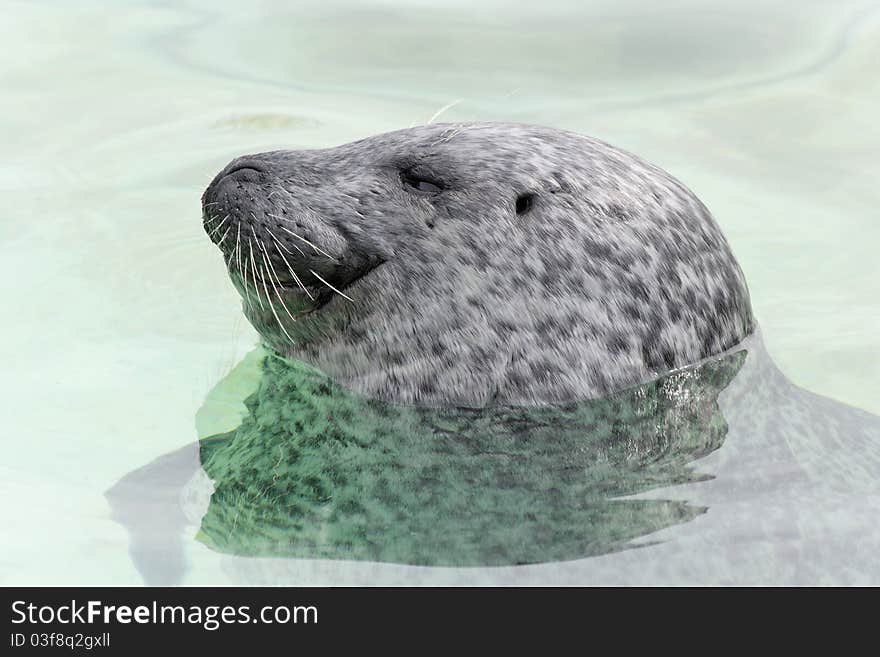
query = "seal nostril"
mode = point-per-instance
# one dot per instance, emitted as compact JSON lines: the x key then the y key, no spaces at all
{"x":250,"y":166}
{"x":242,"y":168}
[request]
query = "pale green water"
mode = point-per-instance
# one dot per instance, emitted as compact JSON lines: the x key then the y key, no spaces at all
{"x":119,"y":317}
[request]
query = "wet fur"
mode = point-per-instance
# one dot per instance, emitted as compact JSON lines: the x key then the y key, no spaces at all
{"x":615,"y":274}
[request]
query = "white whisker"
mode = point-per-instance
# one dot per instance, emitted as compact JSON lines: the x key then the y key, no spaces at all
{"x":277,"y":318}
{"x":339,"y":292}
{"x":299,"y":237}
{"x":443,"y":109}
{"x":301,"y":252}
{"x":237,"y":249}
{"x":218,"y":226}
{"x":290,"y":269}
{"x":268,"y":261}
{"x":247,"y":295}
{"x":254,"y":271}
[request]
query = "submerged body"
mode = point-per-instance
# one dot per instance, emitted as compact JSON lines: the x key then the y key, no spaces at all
{"x":730,"y":460}
{"x":317,"y":471}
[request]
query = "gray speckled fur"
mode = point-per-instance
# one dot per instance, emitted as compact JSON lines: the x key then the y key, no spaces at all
{"x":616,"y":274}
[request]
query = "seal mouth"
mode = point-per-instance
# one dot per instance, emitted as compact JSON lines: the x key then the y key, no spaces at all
{"x":308,"y":292}
{"x":290,"y":312}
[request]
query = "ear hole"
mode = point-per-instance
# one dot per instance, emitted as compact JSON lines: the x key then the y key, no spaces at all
{"x":524,"y":203}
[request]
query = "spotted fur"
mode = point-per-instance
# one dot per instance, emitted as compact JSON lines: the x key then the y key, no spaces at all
{"x":611,"y":274}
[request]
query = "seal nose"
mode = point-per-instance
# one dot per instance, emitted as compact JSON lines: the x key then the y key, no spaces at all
{"x":243,"y":168}
{"x":247,"y":169}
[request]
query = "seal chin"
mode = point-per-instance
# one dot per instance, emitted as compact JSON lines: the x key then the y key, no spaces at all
{"x":292,"y":313}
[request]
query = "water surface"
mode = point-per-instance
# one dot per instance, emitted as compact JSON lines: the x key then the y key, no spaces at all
{"x":119,"y":317}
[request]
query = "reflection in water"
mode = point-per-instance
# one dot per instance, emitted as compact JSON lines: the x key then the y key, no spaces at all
{"x":312,"y":471}
{"x":315,"y":471}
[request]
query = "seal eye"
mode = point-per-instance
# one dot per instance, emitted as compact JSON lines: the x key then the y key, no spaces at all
{"x":421,"y":184}
{"x":524,"y":203}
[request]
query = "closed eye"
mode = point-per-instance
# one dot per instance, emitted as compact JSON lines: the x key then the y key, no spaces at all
{"x":421,"y":184}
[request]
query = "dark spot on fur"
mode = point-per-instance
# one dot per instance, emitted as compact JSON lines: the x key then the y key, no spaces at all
{"x":618,"y":343}
{"x":618,"y":213}
{"x":524,"y":203}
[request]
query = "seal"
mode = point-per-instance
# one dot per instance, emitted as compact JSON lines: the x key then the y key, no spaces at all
{"x":477,"y":264}
{"x":493,"y":344}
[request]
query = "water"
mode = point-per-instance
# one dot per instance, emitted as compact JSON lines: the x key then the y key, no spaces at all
{"x":120,"y":318}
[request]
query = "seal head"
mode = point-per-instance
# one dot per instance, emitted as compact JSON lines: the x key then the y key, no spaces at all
{"x":477,"y":264}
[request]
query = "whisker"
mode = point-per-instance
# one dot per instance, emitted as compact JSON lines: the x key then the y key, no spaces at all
{"x":443,"y":109}
{"x":277,"y":294}
{"x":237,"y":243}
{"x":290,"y":268}
{"x":299,"y":237}
{"x":301,"y":252}
{"x":292,"y":273}
{"x":254,"y":271}
{"x":277,"y":318}
{"x":339,"y":292}
{"x":225,"y":233}
{"x":218,"y":226}
{"x":241,"y":272}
